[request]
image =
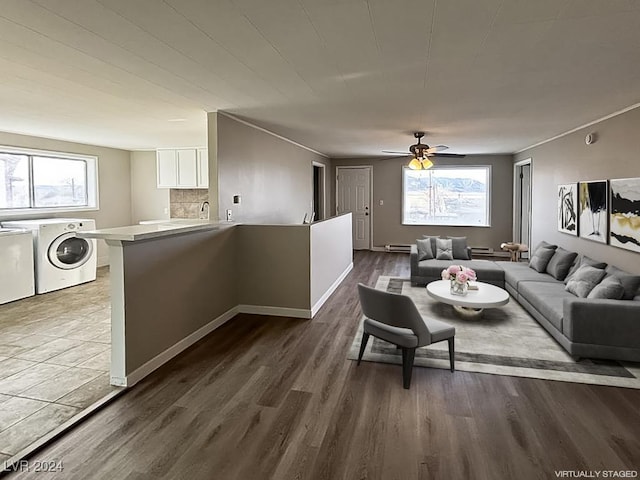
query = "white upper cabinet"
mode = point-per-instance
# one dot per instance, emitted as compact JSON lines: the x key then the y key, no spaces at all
{"x":167,"y":168}
{"x":203,"y":168}
{"x":187,"y":168}
{"x":183,"y":168}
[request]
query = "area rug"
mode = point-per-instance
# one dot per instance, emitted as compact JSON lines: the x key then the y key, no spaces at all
{"x":503,"y":341}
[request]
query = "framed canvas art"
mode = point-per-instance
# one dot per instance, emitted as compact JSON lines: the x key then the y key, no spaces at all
{"x":624,"y":228}
{"x":592,"y":210}
{"x":568,"y":208}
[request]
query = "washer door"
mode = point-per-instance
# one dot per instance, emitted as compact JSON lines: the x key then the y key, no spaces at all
{"x":68,"y":251}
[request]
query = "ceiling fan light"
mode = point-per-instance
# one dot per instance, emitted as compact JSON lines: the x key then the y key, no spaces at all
{"x":426,"y":163}
{"x":415,"y":164}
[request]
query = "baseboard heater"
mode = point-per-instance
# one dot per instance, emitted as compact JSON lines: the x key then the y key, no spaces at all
{"x":487,"y":252}
{"x":398,"y":247}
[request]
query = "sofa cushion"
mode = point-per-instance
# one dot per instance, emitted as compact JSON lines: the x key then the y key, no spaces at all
{"x":631,"y":283}
{"x":583,"y":260}
{"x":460,"y":251}
{"x":541,"y":258}
{"x":425,"y":252}
{"x":516,"y":272}
{"x":609,"y":287}
{"x":584,"y":280}
{"x":444,"y":249}
{"x":560,"y":263}
{"x":486,"y":270}
{"x":547,"y":298}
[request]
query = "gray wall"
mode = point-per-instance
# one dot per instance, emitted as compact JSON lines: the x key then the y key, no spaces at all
{"x":148,"y":202}
{"x":114,"y":182}
{"x":568,"y":159}
{"x":173,"y":287}
{"x":273,"y":176}
{"x":387,"y":186}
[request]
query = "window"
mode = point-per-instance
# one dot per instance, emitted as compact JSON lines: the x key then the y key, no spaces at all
{"x":34,"y":181}
{"x":457,"y":195}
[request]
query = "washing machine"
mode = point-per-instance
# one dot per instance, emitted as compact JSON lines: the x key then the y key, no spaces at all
{"x":62,"y":259}
{"x":16,"y":265}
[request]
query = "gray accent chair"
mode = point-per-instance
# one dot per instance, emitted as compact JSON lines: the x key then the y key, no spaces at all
{"x":395,"y":319}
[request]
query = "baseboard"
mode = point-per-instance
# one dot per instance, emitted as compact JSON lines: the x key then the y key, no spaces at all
{"x":331,"y":289}
{"x":102,"y":261}
{"x":378,"y":249}
{"x":159,"y":360}
{"x":275,"y":311}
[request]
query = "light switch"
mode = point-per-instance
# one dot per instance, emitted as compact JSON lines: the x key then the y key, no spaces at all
{"x":381,"y":202}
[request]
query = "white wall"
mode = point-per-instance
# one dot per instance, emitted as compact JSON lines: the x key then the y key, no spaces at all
{"x":148,"y":202}
{"x":114,"y":182}
{"x":331,"y":256}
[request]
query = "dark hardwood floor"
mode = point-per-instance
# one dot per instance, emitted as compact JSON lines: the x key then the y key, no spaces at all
{"x":268,"y":397}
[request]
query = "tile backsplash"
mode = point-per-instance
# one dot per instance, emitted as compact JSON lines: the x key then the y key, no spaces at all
{"x":185,"y":203}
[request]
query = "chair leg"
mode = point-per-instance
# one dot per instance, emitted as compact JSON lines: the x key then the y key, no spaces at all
{"x":363,"y":345}
{"x":408,"y":354}
{"x":451,"y":353}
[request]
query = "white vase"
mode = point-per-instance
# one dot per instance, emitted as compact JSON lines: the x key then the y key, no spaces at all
{"x":459,"y":288}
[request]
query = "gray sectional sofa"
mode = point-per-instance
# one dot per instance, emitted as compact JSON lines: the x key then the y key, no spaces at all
{"x":585,"y":327}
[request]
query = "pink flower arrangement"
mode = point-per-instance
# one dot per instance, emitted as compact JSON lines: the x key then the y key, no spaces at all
{"x":459,"y":274}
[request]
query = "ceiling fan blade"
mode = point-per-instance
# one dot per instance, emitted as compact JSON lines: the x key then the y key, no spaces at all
{"x":450,"y":155}
{"x":397,"y":153}
{"x":392,"y":158}
{"x":437,"y":148}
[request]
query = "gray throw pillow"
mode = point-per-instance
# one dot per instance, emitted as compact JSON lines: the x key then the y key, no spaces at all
{"x":631,"y":283}
{"x":541,"y":258}
{"x":459,"y":248}
{"x":583,"y":260}
{"x":610,"y":287}
{"x":584,"y":280}
{"x":559,"y":265}
{"x":444,"y":249}
{"x":433,"y":241}
{"x":425,"y":252}
{"x":543,"y":244}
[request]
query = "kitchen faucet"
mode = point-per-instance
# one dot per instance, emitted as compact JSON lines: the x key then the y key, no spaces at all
{"x":202,"y":215}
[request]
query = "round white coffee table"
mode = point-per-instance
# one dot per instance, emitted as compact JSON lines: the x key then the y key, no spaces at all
{"x":474,"y":302}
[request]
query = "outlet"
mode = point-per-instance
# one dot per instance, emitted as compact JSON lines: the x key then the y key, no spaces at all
{"x":229,"y":215}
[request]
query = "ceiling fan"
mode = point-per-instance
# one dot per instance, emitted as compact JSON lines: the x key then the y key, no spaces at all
{"x":421,"y":153}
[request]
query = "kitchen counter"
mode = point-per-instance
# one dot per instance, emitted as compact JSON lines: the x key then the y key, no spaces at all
{"x":149,"y":231}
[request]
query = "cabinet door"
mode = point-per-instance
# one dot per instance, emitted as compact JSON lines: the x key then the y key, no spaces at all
{"x":166,"y":168}
{"x":187,"y":168}
{"x":203,"y":168}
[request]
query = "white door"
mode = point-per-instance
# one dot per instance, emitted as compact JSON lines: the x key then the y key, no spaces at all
{"x":354,"y":195}
{"x":187,"y":168}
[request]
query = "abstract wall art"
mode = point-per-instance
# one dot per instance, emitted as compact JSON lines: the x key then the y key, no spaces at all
{"x":592,"y":210}
{"x":568,"y":208}
{"x":625,"y":214}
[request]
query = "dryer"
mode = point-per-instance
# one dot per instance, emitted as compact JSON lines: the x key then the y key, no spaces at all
{"x":62,"y":259}
{"x":16,"y":265}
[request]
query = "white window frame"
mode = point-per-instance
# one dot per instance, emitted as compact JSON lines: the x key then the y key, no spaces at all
{"x":92,"y":182}
{"x":452,"y":167}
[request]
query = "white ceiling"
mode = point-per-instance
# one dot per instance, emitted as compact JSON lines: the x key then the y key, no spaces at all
{"x":344,"y":77}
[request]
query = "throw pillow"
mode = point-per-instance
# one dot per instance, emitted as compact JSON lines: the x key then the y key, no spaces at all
{"x":610,"y":287}
{"x":584,"y":280}
{"x":459,"y":248}
{"x":541,"y":258}
{"x":631,"y":283}
{"x":583,"y":260}
{"x":433,"y":242}
{"x":425,"y":251}
{"x":560,"y":262}
{"x":444,"y":249}
{"x":543,"y":244}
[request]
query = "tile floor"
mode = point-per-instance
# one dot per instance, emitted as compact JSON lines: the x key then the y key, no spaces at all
{"x":54,"y":360}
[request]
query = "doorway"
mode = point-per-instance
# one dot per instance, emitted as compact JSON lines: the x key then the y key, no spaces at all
{"x":353,"y":194}
{"x":522,"y":188}
{"x":318,"y":201}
